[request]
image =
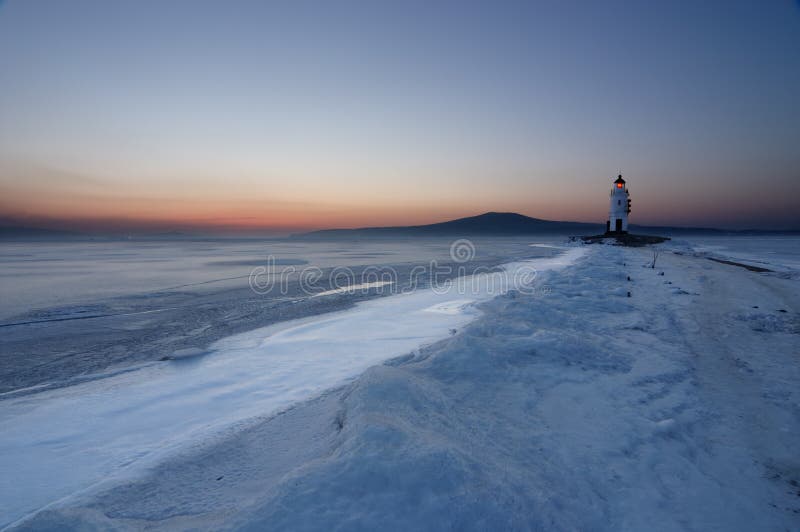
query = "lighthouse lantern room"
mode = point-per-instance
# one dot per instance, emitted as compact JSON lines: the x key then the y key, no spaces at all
{"x":619,"y":209}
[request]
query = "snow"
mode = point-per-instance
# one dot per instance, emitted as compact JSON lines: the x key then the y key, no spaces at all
{"x":353,"y":288}
{"x":457,"y":306}
{"x":572,"y":408}
{"x":775,"y":252}
{"x":134,"y":419}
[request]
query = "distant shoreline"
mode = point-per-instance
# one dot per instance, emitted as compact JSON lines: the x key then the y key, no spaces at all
{"x":487,"y":224}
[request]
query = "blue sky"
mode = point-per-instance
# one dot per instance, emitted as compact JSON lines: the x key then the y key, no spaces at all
{"x":292,"y":115}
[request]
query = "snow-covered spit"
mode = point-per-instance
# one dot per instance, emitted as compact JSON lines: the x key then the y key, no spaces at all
{"x":616,"y":397}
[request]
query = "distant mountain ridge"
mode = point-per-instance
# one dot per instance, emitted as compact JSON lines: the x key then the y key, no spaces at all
{"x":509,"y":223}
{"x":490,"y":223}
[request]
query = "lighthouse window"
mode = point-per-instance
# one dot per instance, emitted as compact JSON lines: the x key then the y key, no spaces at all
{"x":619,"y":202}
{"x":619,"y":185}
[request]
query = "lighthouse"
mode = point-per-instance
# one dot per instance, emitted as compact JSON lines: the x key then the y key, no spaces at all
{"x":620,"y":207}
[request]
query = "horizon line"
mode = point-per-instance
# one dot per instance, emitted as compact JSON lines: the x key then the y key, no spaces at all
{"x":123,"y":226}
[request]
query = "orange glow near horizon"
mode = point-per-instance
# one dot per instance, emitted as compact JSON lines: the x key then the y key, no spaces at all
{"x":230,"y":215}
{"x":66,"y":200}
{"x":73,"y":203}
{"x":128,"y":117}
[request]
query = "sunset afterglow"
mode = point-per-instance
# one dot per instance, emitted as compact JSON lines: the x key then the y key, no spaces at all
{"x":279,"y":117}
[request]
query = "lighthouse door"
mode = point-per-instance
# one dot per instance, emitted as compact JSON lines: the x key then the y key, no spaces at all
{"x":618,"y":227}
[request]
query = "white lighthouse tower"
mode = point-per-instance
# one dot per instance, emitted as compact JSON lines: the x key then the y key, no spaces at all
{"x":619,"y":208}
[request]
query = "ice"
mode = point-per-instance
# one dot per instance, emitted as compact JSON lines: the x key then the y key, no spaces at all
{"x":451,"y":307}
{"x":775,"y":252}
{"x":57,"y":443}
{"x":354,"y":288}
{"x":572,"y":408}
{"x":68,"y":275}
{"x":582,"y":410}
{"x":146,"y":300}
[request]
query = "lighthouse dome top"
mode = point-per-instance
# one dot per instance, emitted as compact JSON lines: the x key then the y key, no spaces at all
{"x":619,"y":180}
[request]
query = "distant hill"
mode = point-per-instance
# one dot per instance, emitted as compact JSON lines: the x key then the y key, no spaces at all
{"x":490,"y":223}
{"x":487,"y":224}
{"x":509,"y":224}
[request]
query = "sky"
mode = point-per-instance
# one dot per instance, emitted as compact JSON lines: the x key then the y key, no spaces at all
{"x":280,"y":116}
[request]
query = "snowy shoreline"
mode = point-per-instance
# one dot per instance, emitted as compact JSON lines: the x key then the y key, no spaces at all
{"x":52,"y":337}
{"x":583,"y":408}
{"x":138,"y":418}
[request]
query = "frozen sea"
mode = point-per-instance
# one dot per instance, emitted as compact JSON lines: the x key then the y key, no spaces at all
{"x":74,"y":310}
{"x":60,"y":277}
{"x":777,"y":252}
{"x":77,"y":305}
{"x":590,"y":402}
